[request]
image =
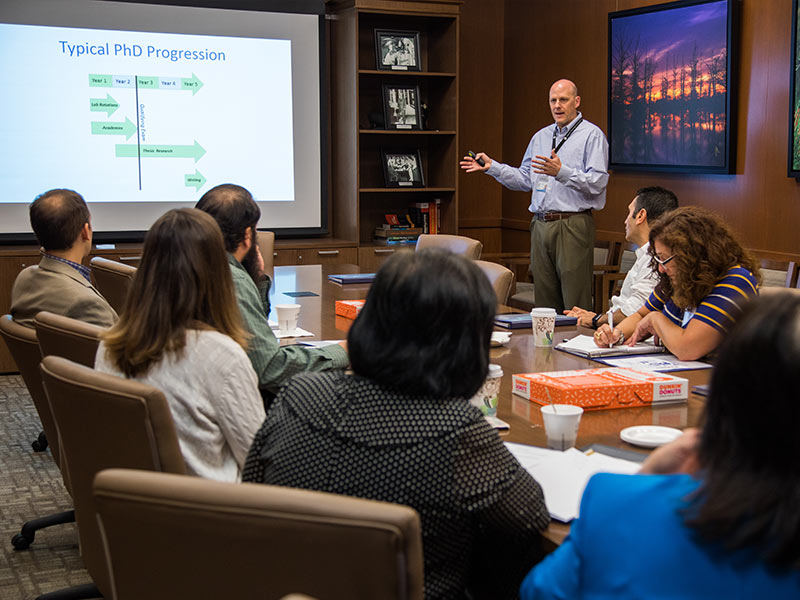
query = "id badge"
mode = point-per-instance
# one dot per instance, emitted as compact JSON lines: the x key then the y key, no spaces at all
{"x":542,"y":183}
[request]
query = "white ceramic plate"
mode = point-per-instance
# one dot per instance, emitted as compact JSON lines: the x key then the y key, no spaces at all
{"x":649,"y":436}
{"x":500,"y":338}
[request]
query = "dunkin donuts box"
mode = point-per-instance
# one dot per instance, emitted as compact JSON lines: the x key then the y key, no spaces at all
{"x":349,"y":308}
{"x":595,"y":389}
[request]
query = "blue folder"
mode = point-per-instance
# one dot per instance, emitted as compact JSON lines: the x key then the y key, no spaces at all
{"x":522,"y":320}
{"x":352,"y":278}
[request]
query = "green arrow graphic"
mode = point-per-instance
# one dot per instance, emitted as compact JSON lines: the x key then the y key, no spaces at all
{"x":196,"y":181}
{"x":153,"y":151}
{"x":125,"y":128}
{"x":192,"y":83}
{"x":107,"y":105}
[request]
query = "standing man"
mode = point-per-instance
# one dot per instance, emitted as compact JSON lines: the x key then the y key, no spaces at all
{"x":237,"y":215}
{"x":646,"y":207}
{"x":60,"y":283}
{"x":566,"y":168}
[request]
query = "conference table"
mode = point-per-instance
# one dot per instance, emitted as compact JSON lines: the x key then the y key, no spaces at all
{"x":317,"y":315}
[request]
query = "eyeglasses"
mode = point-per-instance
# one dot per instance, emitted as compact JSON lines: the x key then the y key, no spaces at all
{"x":662,"y":261}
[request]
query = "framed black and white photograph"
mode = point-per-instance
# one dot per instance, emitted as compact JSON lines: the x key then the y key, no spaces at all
{"x":402,"y":168}
{"x":397,"y":50}
{"x":401,"y":106}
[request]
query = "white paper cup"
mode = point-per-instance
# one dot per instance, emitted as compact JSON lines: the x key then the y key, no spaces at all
{"x":561,"y":423}
{"x":543,"y":321}
{"x":287,"y":317}
{"x":487,"y":397}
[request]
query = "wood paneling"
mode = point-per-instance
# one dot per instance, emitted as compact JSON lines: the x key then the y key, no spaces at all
{"x":481,"y":121}
{"x":548,"y":39}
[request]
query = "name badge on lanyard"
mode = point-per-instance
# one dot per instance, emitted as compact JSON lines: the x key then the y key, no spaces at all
{"x":542,"y":183}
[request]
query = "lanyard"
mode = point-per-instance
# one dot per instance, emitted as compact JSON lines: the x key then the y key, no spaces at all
{"x":555,"y":148}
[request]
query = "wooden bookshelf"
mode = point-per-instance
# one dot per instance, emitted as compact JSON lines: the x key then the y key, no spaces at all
{"x":360,"y":198}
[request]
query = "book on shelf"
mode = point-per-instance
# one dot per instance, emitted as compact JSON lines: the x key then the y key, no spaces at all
{"x":394,"y":242}
{"x":407,"y":233}
{"x":583,"y":345}
{"x":606,"y":387}
{"x":401,"y":227}
{"x":522,"y":320}
{"x":420,"y":214}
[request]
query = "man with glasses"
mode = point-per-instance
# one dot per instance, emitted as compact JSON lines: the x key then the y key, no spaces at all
{"x":646,"y":207}
{"x":705,"y":277}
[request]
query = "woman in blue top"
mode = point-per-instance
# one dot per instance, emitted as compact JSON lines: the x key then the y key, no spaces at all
{"x":704,"y":277}
{"x":731,"y":530}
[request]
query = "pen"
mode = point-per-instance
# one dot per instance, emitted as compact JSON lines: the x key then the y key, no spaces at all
{"x":611,"y":324}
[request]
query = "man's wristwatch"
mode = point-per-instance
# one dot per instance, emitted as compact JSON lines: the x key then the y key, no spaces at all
{"x":595,"y":319}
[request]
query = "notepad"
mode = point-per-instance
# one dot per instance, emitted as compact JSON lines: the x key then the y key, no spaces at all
{"x":564,"y":475}
{"x":522,"y":320}
{"x":583,"y":345}
{"x":344,"y":278}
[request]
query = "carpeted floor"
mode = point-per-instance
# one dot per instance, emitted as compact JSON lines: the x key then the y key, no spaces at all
{"x":31,"y":486}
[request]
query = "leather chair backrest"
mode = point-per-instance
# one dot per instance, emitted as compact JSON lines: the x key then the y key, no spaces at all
{"x":501,"y":278}
{"x":105,"y":421}
{"x":113,"y":279}
{"x":266,"y":243}
{"x":23,"y":344}
{"x":67,"y":337}
{"x":168,"y":536}
{"x":458,"y":244}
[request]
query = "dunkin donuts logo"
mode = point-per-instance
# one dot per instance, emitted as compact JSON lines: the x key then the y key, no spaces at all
{"x":520,"y":385}
{"x":670,"y":389}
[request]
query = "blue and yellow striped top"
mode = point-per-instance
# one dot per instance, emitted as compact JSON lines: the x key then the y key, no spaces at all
{"x":719,"y":309}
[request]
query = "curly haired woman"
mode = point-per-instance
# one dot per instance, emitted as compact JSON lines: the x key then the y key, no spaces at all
{"x":704,"y":278}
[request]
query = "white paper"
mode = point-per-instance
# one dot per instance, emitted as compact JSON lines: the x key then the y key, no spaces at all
{"x":296,"y":333}
{"x":319,"y":343}
{"x":564,"y":475}
{"x":662,"y":362}
{"x":584,"y":345}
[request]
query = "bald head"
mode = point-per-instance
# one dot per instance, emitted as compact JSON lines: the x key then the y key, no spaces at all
{"x":57,"y":218}
{"x":564,"y":101}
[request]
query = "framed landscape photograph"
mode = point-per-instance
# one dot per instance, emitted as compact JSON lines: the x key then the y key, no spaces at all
{"x":397,"y":50}
{"x":401,"y":106}
{"x":794,"y":101}
{"x":402,"y":168}
{"x":671,"y":86}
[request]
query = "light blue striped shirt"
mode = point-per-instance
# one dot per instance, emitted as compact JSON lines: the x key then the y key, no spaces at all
{"x":581,"y":182}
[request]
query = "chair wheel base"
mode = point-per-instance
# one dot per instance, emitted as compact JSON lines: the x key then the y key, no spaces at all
{"x":20,"y":542}
{"x":40,"y":443}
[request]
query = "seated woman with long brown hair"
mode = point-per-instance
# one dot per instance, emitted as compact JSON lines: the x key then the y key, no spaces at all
{"x":705,"y":276}
{"x":180,"y":331}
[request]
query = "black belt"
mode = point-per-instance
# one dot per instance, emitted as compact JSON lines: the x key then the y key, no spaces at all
{"x":557,"y":216}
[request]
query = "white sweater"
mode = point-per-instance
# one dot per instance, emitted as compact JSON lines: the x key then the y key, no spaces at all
{"x":213,"y":395}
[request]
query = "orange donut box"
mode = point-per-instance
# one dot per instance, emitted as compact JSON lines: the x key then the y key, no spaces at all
{"x":349,"y":308}
{"x":597,"y":389}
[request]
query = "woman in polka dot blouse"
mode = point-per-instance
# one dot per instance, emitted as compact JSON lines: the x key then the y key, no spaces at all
{"x":400,"y":427}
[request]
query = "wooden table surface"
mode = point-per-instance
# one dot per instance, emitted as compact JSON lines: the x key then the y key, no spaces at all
{"x":317,"y":314}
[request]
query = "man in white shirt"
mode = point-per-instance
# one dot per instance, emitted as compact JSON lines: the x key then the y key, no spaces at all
{"x":648,"y":205}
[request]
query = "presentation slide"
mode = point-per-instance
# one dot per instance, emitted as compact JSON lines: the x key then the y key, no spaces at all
{"x":144,"y":117}
{"x":141,"y":108}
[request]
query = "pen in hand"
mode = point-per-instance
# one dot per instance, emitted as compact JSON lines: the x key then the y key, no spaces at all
{"x":611,"y":325}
